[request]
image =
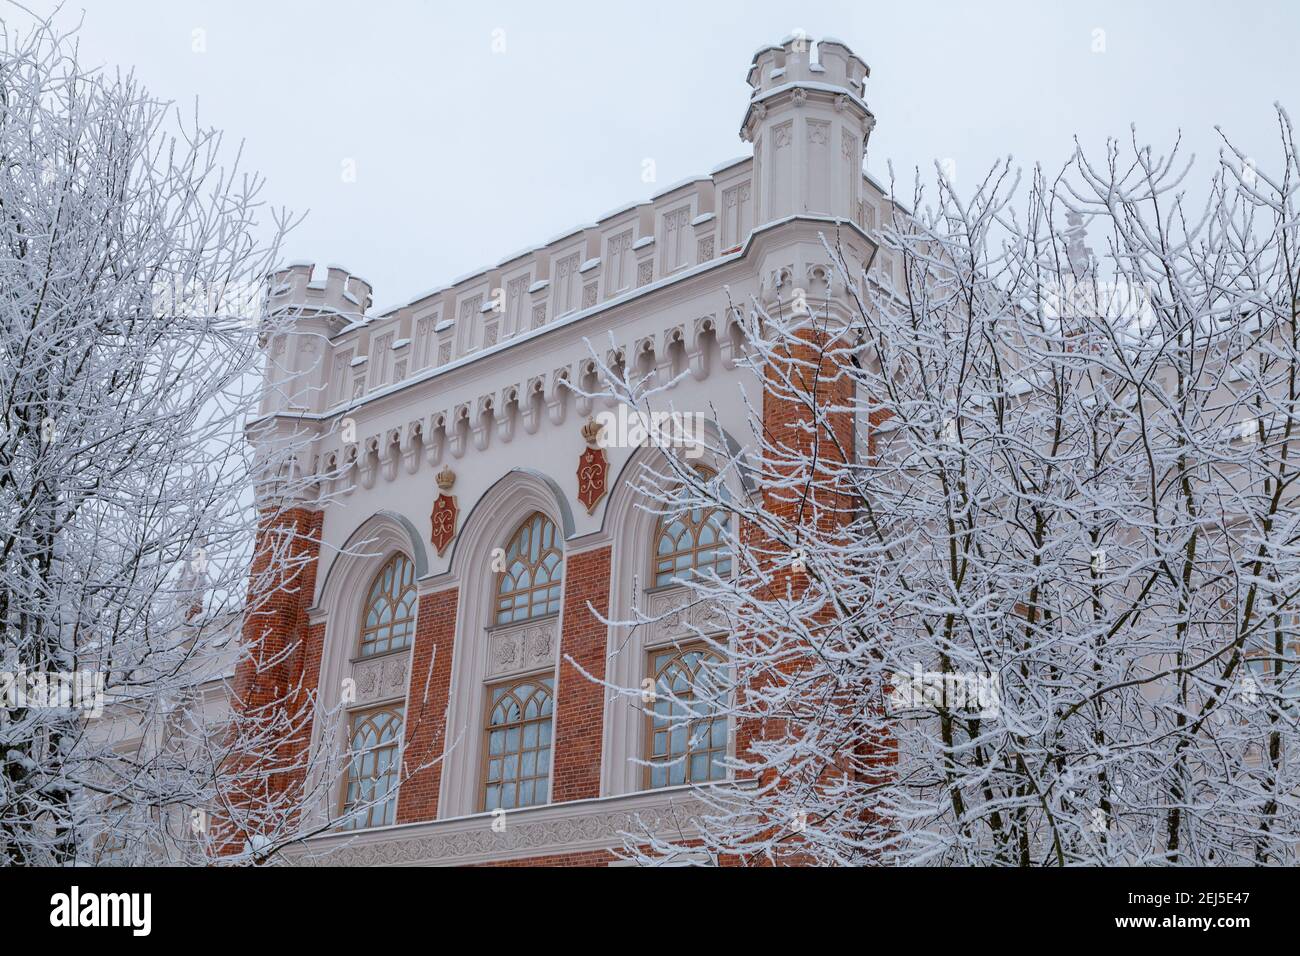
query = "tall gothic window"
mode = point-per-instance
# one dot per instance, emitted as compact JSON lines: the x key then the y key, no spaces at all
{"x":690,"y":542}
{"x":518,"y":767}
{"x":389,"y":620}
{"x":370,"y":795}
{"x":687,"y":733}
{"x":529,"y":586}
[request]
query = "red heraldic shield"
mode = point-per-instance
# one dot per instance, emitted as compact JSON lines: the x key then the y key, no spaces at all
{"x":593,"y":469}
{"x":443,"y":519}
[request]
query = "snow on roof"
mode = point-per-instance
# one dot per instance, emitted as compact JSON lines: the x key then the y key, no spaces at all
{"x":729,"y":163}
{"x":390,"y":311}
{"x":567,"y":234}
{"x":467,"y":276}
{"x":690,"y":180}
{"x":519,"y":255}
{"x":620,"y":210}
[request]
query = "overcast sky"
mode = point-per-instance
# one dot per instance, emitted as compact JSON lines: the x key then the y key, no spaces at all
{"x":464,"y":153}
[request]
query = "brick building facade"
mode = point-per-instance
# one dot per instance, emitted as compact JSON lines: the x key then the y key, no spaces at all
{"x":466,"y":534}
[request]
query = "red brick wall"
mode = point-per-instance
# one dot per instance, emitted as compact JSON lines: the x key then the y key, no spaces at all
{"x":814,"y":365}
{"x":580,"y":703}
{"x":277,"y":602}
{"x":275,"y":683}
{"x":426,"y":706}
{"x":808,"y":364}
{"x":305,"y":671}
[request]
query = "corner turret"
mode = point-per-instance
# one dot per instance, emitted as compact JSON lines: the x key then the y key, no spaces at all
{"x":301,"y":316}
{"x":809,"y":125}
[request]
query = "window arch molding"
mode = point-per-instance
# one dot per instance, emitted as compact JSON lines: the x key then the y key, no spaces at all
{"x":341,"y":597}
{"x":543,"y":490}
{"x":386,"y":530}
{"x":746,"y":475}
{"x":490,"y":524}
{"x":632,"y":523}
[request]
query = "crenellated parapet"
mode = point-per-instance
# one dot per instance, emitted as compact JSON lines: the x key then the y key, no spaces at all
{"x":792,"y":62}
{"x":340,"y":298}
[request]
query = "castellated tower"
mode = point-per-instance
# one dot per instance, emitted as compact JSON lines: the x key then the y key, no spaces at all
{"x":303,"y":315}
{"x":809,"y":125}
{"x":276,"y":681}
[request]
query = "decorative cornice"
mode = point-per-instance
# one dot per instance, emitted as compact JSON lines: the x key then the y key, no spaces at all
{"x":603,"y":823}
{"x":467,"y":421}
{"x":678,"y":280}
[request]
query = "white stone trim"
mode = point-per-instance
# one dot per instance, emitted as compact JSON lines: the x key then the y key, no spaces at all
{"x":631,"y":531}
{"x":340,"y":605}
{"x":495,"y":517}
{"x":571,"y":827}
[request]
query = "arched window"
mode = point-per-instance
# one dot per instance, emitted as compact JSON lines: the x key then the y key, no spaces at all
{"x":530,"y":584}
{"x":687,"y":728}
{"x":518,"y":744}
{"x":690,"y":542}
{"x":370,"y":798}
{"x":389,"y":620}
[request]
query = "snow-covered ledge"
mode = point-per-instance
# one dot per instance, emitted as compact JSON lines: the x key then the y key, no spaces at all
{"x":575,"y":826}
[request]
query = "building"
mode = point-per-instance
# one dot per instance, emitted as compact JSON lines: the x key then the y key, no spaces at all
{"x":465,"y":520}
{"x":165,"y":754}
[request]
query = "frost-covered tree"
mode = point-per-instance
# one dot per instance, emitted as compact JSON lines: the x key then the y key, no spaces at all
{"x":132,"y":252}
{"x":1021,"y":585}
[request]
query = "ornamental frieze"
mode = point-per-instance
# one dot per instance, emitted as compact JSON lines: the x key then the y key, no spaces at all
{"x":535,"y":831}
{"x":522,"y":647}
{"x":380,"y":678}
{"x":675,"y":614}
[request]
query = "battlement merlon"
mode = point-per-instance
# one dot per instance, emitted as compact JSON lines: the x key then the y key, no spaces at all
{"x":341,"y":299}
{"x":837,"y":71}
{"x":791,"y":62}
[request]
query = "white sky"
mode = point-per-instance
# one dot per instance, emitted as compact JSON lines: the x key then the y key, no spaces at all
{"x":463,"y":155}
